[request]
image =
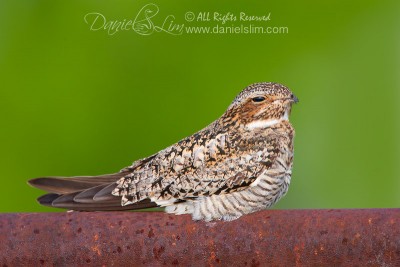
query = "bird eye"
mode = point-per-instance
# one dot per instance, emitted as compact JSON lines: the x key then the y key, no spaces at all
{"x":258,"y":99}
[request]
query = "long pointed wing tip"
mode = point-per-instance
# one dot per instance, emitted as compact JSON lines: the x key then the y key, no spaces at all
{"x":34,"y":182}
{"x":39,"y":182}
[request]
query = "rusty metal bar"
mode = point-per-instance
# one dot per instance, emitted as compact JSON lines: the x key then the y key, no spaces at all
{"x":369,"y":237}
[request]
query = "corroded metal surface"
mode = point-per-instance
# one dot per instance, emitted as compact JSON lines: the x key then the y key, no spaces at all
{"x":368,"y":237}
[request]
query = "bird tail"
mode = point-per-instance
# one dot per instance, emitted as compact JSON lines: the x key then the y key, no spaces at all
{"x":84,"y":193}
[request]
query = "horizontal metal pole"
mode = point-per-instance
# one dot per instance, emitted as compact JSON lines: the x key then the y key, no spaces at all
{"x":369,"y":237}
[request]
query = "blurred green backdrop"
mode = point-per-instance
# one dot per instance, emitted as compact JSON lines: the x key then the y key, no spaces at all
{"x":81,"y":102}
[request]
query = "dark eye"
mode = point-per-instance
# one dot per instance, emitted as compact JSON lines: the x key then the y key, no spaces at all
{"x":258,"y":99}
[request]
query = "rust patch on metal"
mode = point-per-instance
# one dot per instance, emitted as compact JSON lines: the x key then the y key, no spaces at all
{"x":367,"y":237}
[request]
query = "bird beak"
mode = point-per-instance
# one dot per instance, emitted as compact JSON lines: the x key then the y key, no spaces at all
{"x":292,"y":99}
{"x":295,"y":99}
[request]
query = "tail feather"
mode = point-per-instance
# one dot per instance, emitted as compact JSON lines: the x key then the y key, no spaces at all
{"x":87,"y":196}
{"x":47,"y":200}
{"x":67,"y":202}
{"x":105,"y":193}
{"x":84,"y":193}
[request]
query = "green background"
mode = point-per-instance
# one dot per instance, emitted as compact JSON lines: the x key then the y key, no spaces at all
{"x":81,"y":102}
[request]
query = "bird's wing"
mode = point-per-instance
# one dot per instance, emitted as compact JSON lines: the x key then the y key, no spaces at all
{"x":226,"y":176}
{"x":87,"y":192}
{"x":202,"y":164}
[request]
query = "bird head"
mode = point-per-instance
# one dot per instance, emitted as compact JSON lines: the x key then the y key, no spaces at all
{"x":260,"y":105}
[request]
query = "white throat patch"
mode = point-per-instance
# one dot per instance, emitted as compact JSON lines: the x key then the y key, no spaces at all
{"x":261,"y":124}
{"x":266,"y":123}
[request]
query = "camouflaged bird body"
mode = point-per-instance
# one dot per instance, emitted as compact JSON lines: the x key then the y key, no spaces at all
{"x":239,"y":164}
{"x":215,"y":174}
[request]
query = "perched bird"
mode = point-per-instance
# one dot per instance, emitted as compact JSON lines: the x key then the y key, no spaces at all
{"x":239,"y":164}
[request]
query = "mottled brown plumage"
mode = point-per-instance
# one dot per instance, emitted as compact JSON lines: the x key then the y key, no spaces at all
{"x":239,"y":164}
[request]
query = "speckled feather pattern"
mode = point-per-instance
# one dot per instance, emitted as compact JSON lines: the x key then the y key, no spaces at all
{"x":239,"y":164}
{"x":226,"y":170}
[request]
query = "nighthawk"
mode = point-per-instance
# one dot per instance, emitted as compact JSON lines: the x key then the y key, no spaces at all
{"x":239,"y":164}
